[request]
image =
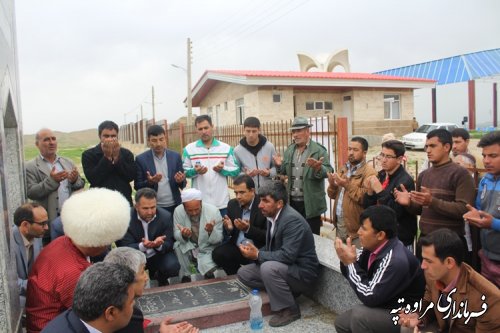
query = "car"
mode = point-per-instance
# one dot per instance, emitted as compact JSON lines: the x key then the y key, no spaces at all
{"x":416,"y":140}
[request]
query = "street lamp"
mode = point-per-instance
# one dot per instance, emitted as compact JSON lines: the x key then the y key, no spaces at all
{"x":189,"y":96}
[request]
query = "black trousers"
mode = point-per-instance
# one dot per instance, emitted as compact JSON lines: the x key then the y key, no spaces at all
{"x":228,"y":257}
{"x":314,"y":222}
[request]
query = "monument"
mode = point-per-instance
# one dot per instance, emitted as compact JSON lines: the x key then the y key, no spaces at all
{"x":12,"y":190}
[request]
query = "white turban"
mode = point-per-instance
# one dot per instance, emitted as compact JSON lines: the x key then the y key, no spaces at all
{"x":96,"y":217}
{"x":190,"y":194}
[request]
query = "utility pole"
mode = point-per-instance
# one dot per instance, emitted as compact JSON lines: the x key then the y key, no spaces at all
{"x":189,"y":96}
{"x":153,"y":103}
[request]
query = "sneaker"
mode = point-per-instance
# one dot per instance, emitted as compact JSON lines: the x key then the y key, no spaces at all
{"x":209,"y":275}
{"x":285,"y":316}
{"x":185,"y":279}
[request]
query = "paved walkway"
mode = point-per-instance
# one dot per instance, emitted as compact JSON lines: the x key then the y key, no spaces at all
{"x":315,"y":318}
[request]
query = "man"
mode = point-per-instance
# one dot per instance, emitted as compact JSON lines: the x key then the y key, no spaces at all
{"x":346,"y":187}
{"x":92,"y":221}
{"x":160,"y":169}
{"x":443,"y":191}
{"x":197,"y":231}
{"x":136,"y":261}
{"x":209,"y":162}
{"x":287,"y":265}
{"x":457,"y":299}
{"x":380,"y":189}
{"x":306,"y":163}
{"x":31,"y":222}
{"x":385,"y":272}
{"x":486,"y":215}
{"x":461,"y":140}
{"x":108,"y":165}
{"x":244,"y":221}
{"x":255,"y":153}
{"x":103,"y":301}
{"x":151,"y":231}
{"x":414,"y":124}
{"x":50,"y":178}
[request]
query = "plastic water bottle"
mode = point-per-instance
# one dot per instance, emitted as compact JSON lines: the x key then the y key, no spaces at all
{"x":255,"y":302}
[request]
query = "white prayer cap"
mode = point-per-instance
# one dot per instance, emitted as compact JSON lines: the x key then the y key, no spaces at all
{"x":190,"y":194}
{"x":97,"y":217}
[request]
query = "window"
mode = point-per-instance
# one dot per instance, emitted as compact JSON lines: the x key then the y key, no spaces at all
{"x":391,"y":107}
{"x":225,"y":106}
{"x":209,"y":112}
{"x":319,"y":106}
{"x":240,"y":111}
{"x":277,"y":98}
{"x":217,"y":114}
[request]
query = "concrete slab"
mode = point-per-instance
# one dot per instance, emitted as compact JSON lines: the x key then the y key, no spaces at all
{"x":206,"y":311}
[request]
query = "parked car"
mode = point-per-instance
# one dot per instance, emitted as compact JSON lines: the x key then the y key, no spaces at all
{"x":416,"y":140}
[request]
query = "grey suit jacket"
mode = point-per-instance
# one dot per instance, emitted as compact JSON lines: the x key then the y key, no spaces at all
{"x":292,"y":243}
{"x":22,"y":260}
{"x":43,"y":188}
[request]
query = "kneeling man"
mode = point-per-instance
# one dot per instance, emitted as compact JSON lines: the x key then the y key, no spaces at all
{"x":151,"y":231}
{"x":385,"y":272}
{"x":198,"y":230}
{"x":288,"y":263}
{"x":243,"y":221}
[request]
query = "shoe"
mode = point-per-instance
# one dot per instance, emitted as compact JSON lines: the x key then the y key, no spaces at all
{"x":163,"y":282}
{"x":185,"y":279}
{"x":209,"y":276}
{"x":285,"y":316}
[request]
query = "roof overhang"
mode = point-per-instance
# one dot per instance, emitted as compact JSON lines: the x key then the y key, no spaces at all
{"x":320,"y":80}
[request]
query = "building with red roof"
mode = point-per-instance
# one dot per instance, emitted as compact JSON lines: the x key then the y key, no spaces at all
{"x":372,"y":103}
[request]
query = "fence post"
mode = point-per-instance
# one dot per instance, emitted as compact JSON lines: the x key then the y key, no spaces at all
{"x":342,"y":140}
{"x":181,"y":135}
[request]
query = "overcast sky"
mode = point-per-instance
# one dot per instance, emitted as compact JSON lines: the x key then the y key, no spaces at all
{"x":84,"y":61}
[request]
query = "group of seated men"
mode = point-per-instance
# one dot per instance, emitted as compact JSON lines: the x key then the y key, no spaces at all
{"x":200,"y":229}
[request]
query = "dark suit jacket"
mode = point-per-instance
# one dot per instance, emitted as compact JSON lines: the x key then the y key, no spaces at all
{"x":66,"y":322}
{"x":100,"y":172}
{"x":145,"y":162}
{"x":292,"y":243}
{"x":162,"y":225}
{"x":22,"y":260}
{"x":258,"y":222}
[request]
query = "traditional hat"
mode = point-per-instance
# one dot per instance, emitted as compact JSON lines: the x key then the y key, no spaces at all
{"x":190,"y":194}
{"x":96,"y":217}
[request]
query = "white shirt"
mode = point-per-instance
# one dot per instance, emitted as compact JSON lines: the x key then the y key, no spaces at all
{"x":273,"y":222}
{"x":90,"y":328}
{"x":149,"y":252}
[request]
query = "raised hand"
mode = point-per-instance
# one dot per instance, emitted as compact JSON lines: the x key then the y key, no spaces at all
{"x":185,"y":232}
{"x":227,"y":223}
{"x":58,"y":176}
{"x":264,"y":172}
{"x":315,"y":164}
{"x":72,"y":175}
{"x":200,"y":169}
{"x":241,"y":224}
{"x":219,"y":166}
{"x":179,"y":177}
{"x":345,"y":252}
{"x":209,"y":226}
{"x":251,"y":173}
{"x":153,"y":179}
{"x":277,"y":159}
{"x":249,"y":251}
{"x":423,"y":197}
{"x":402,"y":197}
{"x":478,"y":218}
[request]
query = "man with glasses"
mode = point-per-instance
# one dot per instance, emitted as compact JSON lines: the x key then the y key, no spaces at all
{"x":31,"y":222}
{"x":108,"y":164}
{"x":381,"y":189}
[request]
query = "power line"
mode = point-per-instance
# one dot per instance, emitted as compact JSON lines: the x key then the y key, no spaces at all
{"x":229,"y":44}
{"x":245,"y":25}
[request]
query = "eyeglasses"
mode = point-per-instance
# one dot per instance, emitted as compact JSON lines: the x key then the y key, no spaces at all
{"x":42,"y":224}
{"x":382,"y":156}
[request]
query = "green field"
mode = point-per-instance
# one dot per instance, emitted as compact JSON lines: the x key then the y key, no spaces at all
{"x":74,"y":154}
